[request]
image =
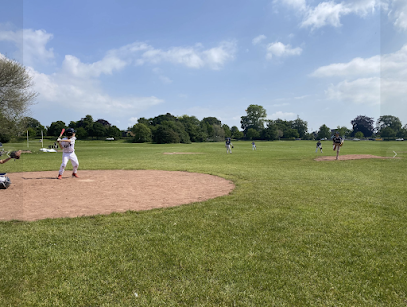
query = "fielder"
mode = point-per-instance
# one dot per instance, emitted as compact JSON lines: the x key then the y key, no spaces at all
{"x":229,"y":146}
{"x":337,"y":143}
{"x":319,"y":146}
{"x":68,"y":153}
{"x":253,"y":146}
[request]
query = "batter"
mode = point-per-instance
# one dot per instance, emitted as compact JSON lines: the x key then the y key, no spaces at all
{"x":68,"y":153}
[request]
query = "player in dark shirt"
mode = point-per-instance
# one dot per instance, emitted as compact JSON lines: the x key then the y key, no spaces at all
{"x":319,"y":146}
{"x":337,"y":143}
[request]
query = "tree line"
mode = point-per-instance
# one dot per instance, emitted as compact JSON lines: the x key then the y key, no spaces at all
{"x":16,"y":96}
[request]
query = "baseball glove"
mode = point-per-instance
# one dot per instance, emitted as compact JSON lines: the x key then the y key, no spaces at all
{"x":15,"y":154}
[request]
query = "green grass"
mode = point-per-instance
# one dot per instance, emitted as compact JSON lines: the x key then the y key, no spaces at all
{"x":294,"y":232}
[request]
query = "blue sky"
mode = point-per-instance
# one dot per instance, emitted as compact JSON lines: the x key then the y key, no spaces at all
{"x":324,"y":61}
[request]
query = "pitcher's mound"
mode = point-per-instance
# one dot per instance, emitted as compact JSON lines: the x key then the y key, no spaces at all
{"x":348,"y":157}
{"x":38,"y":195}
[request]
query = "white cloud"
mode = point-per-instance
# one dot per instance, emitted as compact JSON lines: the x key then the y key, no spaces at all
{"x":372,"y":81}
{"x":326,"y":13}
{"x":76,"y":85}
{"x":85,"y":95}
{"x":31,"y":45}
{"x":258,"y":39}
{"x":355,"y":67}
{"x":193,"y":57}
{"x":397,"y":12}
{"x":296,"y":4}
{"x":279,"y":49}
{"x":329,"y":13}
{"x":283,"y":115}
{"x":360,"y":91}
{"x":73,"y":66}
{"x":161,"y":76}
{"x":392,"y":64}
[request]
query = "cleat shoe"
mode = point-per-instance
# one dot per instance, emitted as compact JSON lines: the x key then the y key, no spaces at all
{"x":59,"y":177}
{"x":75,"y":175}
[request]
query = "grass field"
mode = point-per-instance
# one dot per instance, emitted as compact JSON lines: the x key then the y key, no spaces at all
{"x":294,"y":232}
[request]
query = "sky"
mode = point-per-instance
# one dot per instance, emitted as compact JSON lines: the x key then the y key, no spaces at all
{"x":323,"y":61}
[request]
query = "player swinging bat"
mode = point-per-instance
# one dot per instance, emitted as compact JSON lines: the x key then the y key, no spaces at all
{"x":68,"y":152}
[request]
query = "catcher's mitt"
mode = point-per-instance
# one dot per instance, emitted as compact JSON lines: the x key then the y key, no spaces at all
{"x":15,"y":154}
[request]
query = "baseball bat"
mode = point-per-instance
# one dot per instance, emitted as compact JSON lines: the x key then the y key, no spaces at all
{"x":62,"y":132}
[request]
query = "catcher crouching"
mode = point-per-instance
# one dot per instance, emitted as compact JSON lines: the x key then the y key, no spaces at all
{"x":5,"y":181}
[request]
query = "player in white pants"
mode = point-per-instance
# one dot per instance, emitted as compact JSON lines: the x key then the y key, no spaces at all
{"x":253,"y":145}
{"x":68,"y":153}
{"x":228,"y":146}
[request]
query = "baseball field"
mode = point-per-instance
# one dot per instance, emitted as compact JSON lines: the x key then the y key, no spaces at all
{"x":293,"y":232}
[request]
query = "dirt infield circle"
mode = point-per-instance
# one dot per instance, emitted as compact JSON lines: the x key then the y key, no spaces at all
{"x":39,"y":195}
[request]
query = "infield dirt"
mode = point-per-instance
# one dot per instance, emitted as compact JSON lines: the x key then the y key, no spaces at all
{"x":39,"y":195}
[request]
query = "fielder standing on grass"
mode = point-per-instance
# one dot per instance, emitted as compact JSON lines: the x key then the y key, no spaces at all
{"x":228,"y":145}
{"x":68,"y":153}
{"x":254,"y":145}
{"x":319,"y":146}
{"x":337,"y":143}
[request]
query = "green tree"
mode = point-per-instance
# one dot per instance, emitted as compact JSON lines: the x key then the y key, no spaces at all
{"x":291,"y":134}
{"x":403,"y":132}
{"x":388,"y":121}
{"x":271,"y":132}
{"x":236,"y":134}
{"x":226,"y":128}
{"x":255,"y":118}
{"x":98,"y":130}
{"x":81,"y":133}
{"x":16,"y":95}
{"x":142,"y":133}
{"x":31,"y":132}
{"x":343,"y":131}
{"x":387,"y":133}
{"x":164,"y":134}
{"x":212,"y":121}
{"x":113,"y":132}
{"x":30,"y":122}
{"x":363,"y":124}
{"x":218,"y":133}
{"x":301,"y":126}
{"x":170,"y":132}
{"x":56,"y":128}
{"x":192,"y":127}
{"x":324,"y":132}
{"x":359,"y":135}
{"x":252,"y":134}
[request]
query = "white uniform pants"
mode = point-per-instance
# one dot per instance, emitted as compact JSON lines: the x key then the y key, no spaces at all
{"x":66,"y":156}
{"x":228,"y":149}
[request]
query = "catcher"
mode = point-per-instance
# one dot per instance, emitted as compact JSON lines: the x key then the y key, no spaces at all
{"x":337,"y":144}
{"x":13,"y":155}
{"x":4,"y":180}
